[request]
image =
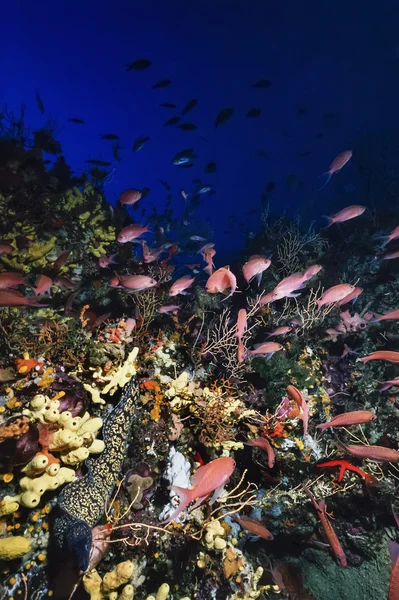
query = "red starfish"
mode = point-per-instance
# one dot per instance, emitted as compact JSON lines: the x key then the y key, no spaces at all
{"x":345,"y":465}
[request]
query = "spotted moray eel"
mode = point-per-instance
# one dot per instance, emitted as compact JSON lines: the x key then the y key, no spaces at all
{"x":81,"y":504}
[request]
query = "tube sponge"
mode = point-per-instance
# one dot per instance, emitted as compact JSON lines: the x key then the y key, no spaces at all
{"x":118,"y":576}
{"x":14,"y":547}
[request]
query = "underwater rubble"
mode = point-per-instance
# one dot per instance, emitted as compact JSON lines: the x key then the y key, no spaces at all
{"x":123,"y":389}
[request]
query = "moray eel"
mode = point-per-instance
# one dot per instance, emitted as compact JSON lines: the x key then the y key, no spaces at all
{"x":81,"y":504}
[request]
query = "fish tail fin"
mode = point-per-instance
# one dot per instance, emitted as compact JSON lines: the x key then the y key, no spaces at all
{"x":327,"y":174}
{"x":385,"y":239}
{"x":322,"y":426}
{"x":34,"y":302}
{"x":259,"y":278}
{"x":330,"y":221}
{"x":185,"y":497}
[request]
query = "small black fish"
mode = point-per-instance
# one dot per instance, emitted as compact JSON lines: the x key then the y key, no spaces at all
{"x":253,"y":112}
{"x":166,"y":185}
{"x":109,"y":136}
{"x":270,"y":186}
{"x":138,"y":65}
{"x":172,"y":121}
{"x":262,"y":84}
{"x":77,"y":121}
{"x":184,"y":158}
{"x":224,"y":115}
{"x":162,"y":84}
{"x":98,"y":163}
{"x":115,"y":152}
{"x":187,"y":127}
{"x":139,"y":143}
{"x":189,"y":106}
{"x":39,"y":102}
{"x":168,"y":105}
{"x":210,"y":167}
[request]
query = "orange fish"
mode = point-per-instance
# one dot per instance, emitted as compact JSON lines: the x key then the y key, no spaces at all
{"x":131,"y":232}
{"x":241,"y":352}
{"x":11,"y":280}
{"x":337,"y":164}
{"x":268,"y":348}
{"x":296,"y":395}
{"x":241,"y":323}
{"x":385,"y":385}
{"x":351,"y":297}
{"x":335,"y":293}
{"x":180,"y":285}
{"x":328,"y":529}
{"x":392,"y":236}
{"x":261,"y":442}
{"x":355,"y":417}
{"x":220,"y":281}
{"x":346,"y":214}
{"x":42,"y":284}
{"x":311,"y":272}
{"x":209,"y":478}
{"x":133,"y":282}
{"x":208,"y":255}
{"x":253,"y":526}
{"x":377,"y":453}
{"x":387,"y":355}
{"x":130,"y":197}
{"x":393,"y":315}
{"x":254,"y":267}
{"x":283,"y":330}
{"x":288,"y":285}
{"x":14,"y":298}
{"x":62,"y":259}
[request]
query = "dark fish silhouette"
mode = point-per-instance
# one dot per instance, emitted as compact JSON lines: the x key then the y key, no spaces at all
{"x":253,"y":112}
{"x":210,"y":167}
{"x":166,"y":185}
{"x":98,"y":163}
{"x":168,"y":105}
{"x":76,"y":120}
{"x":224,"y":115}
{"x":184,"y":158}
{"x":187,"y":127}
{"x":39,"y":102}
{"x":138,"y":65}
{"x":172,"y":121}
{"x":110,"y":136}
{"x":189,"y":106}
{"x":115,"y":152}
{"x":162,"y":84}
{"x":262,"y":84}
{"x":139,"y":143}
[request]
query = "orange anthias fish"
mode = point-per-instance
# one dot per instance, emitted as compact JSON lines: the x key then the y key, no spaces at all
{"x":264,"y":444}
{"x":42,"y":285}
{"x":208,"y":255}
{"x":355,"y":417}
{"x":130,"y":197}
{"x":311,"y":272}
{"x":287,"y":286}
{"x":346,"y":214}
{"x":392,"y":236}
{"x":180,"y":285}
{"x":377,"y":453}
{"x":335,"y":294}
{"x":11,"y":280}
{"x":337,"y":164}
{"x":253,"y":526}
{"x":209,"y":478}
{"x":241,"y":323}
{"x":254,"y":267}
{"x":392,"y":315}
{"x":131,"y":232}
{"x":351,"y":297}
{"x":220,"y":281}
{"x":296,"y":395}
{"x":104,"y":261}
{"x":328,"y":529}
{"x":268,"y":348}
{"x":283,"y":330}
{"x":133,"y":282}
{"x":387,"y":355}
{"x":14,"y":298}
{"x":393,"y":593}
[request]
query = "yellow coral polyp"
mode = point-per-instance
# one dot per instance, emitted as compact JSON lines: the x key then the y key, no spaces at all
{"x":14,"y":546}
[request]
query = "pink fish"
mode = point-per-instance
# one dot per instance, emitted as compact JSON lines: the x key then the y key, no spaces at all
{"x":169,"y":309}
{"x":131,"y":232}
{"x":6,"y":248}
{"x":333,"y":333}
{"x":133,"y":282}
{"x":392,"y":236}
{"x":268,"y":348}
{"x":151,"y":254}
{"x":267,"y":299}
{"x":283,"y":330}
{"x":209,"y":478}
{"x":297,"y":396}
{"x":392,"y":315}
{"x":287,"y":286}
{"x":346,"y":214}
{"x":14,"y":298}
{"x":241,"y":351}
{"x":355,"y":417}
{"x":264,"y":444}
{"x":208,"y":255}
{"x":337,"y":164}
{"x":335,"y":293}
{"x":390,"y":255}
{"x":130,"y":197}
{"x":42,"y":284}
{"x":180,"y":285}
{"x":311,"y":272}
{"x":220,"y":281}
{"x":104,"y":261}
{"x":65,"y":283}
{"x":385,"y":385}
{"x":11,"y":280}
{"x":254,"y":267}
{"x":241,"y":323}
{"x":377,"y":453}
{"x":351,"y":297}
{"x":387,"y":355}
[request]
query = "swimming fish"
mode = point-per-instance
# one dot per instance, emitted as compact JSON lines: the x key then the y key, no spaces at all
{"x":346,"y":214}
{"x":42,"y":285}
{"x":131,"y":232}
{"x":387,"y":355}
{"x":300,"y":401}
{"x":268,"y":348}
{"x":189,"y":106}
{"x":137,"y":283}
{"x":139,"y":143}
{"x":392,"y":236}
{"x":377,"y":453}
{"x":220,"y":281}
{"x":335,"y":293}
{"x":254,"y":267}
{"x":265,"y":445}
{"x":11,"y":280}
{"x":392,"y":315}
{"x":104,"y":261}
{"x":130,"y":197}
{"x":162,"y":84}
{"x":283,"y":330}
{"x":13,"y":298}
{"x":352,"y":297}
{"x":223,"y":116}
{"x":253,"y":526}
{"x":355,"y":417}
{"x":337,"y":164}
{"x":180,"y":285}
{"x":138,"y":65}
